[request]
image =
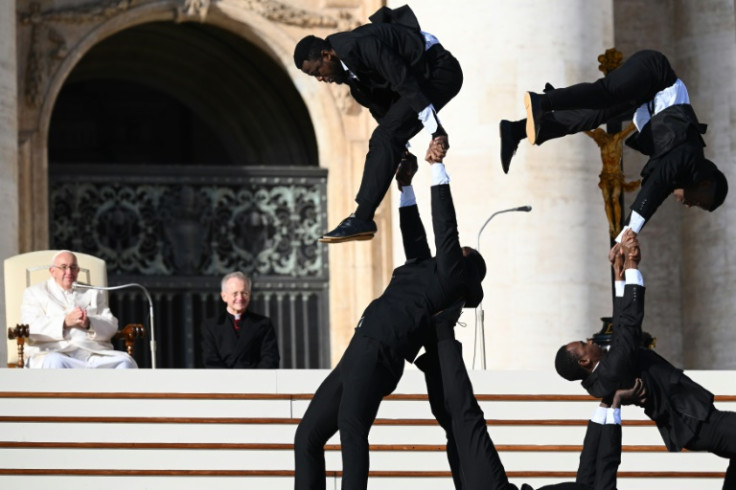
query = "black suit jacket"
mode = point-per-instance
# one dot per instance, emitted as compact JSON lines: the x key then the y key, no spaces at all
{"x":254,"y":346}
{"x":675,"y":402}
{"x":425,"y":285}
{"x":672,"y":140}
{"x":388,"y":57}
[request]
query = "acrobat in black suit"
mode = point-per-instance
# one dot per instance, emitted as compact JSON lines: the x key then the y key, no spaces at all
{"x":480,"y":466}
{"x":392,"y":329}
{"x":682,"y":409}
{"x":668,"y":131}
{"x":404,"y":76}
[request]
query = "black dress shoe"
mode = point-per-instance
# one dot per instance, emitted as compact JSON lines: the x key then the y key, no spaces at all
{"x":509,"y":144}
{"x":533,"y":105}
{"x":349,"y":229}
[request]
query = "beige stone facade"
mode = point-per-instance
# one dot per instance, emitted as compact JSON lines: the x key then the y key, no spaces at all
{"x":9,"y":188}
{"x":548,"y":279}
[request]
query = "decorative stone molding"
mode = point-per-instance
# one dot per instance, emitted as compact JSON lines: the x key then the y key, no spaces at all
{"x":89,"y":12}
{"x":188,"y":10}
{"x":47,"y":45}
{"x":287,"y":14}
{"x":345,"y":102}
{"x":43,"y":35}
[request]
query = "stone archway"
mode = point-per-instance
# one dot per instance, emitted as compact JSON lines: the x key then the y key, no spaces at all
{"x":228,"y":86}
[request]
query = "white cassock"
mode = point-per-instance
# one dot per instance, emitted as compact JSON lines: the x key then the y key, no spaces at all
{"x":44,"y":308}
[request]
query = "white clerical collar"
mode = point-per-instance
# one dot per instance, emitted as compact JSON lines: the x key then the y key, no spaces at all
{"x":67,"y":296}
{"x":55,"y":285}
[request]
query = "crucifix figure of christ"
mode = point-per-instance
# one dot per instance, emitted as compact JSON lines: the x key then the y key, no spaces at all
{"x":612,"y":181}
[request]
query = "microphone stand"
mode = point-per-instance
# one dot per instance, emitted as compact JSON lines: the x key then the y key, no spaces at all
{"x":152,"y":343}
{"x":479,"y":313}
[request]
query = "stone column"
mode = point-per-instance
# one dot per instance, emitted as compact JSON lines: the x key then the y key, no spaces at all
{"x":690,"y":264}
{"x":8,"y":148}
{"x":548,"y":278}
{"x":706,"y":54}
{"x":643,"y":26}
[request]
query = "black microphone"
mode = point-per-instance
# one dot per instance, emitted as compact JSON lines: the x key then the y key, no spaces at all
{"x":524,"y":209}
{"x":77,"y":285}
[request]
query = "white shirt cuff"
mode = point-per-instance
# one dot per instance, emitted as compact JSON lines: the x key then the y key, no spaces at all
{"x":439,"y":174}
{"x":621,"y":235}
{"x":636,"y":223}
{"x":407,"y":197}
{"x":633,"y":276}
{"x":613,"y":416}
{"x":619,"y":287}
{"x":599,"y":416}
{"x":429,"y":119}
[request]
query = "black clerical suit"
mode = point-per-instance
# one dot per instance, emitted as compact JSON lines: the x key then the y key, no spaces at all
{"x":480,"y":467}
{"x":252,"y":346}
{"x":672,"y":138}
{"x":682,"y":409}
{"x":396,"y":79}
{"x":392,"y":329}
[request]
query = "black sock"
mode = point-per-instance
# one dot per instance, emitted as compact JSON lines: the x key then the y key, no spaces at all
{"x":364,"y":213}
{"x":518,"y":129}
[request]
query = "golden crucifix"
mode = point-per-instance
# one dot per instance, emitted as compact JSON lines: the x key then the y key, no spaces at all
{"x":612,"y":181}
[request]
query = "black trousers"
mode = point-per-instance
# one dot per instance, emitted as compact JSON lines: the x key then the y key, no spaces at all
{"x":718,"y":436}
{"x":399,"y":125}
{"x":347,"y":401}
{"x":429,"y":364}
{"x":586,"y":106}
{"x":480,"y":467}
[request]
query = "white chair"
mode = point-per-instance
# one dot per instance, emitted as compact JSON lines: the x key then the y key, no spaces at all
{"x":31,"y":268}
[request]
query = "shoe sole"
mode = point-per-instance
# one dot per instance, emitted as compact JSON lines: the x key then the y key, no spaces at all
{"x":351,"y":238}
{"x":530,"y":129}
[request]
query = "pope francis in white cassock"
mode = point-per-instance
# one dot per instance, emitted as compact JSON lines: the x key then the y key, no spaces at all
{"x":69,"y":328}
